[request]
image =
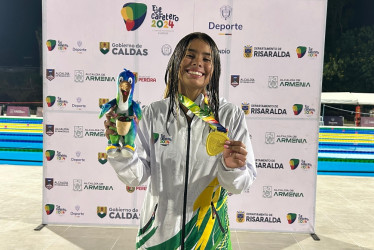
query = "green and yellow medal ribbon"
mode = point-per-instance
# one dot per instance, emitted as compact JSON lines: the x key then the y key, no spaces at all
{"x":217,"y":138}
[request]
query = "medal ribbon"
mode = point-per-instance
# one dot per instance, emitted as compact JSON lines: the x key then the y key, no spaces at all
{"x":205,"y":114}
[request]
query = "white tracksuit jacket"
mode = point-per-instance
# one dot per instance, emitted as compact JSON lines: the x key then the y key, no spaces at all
{"x":187,"y":189}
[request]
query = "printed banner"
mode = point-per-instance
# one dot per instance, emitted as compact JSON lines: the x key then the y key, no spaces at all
{"x":271,"y":56}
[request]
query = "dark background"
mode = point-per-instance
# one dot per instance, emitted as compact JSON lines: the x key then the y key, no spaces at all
{"x":348,"y":62}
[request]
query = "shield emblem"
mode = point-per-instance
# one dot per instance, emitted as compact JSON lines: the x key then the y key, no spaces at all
{"x":291,"y":217}
{"x":226,"y":11}
{"x":50,"y":74}
{"x":78,"y":75}
{"x":78,"y":131}
{"x":294,"y":163}
{"x":130,"y":189}
{"x":269,"y":137}
{"x":104,"y":47}
{"x":51,"y":44}
{"x":273,"y":82}
{"x":49,"y":154}
{"x":50,"y":100}
{"x":248,"y":50}
{"x":245,"y":107}
{"x":77,"y":185}
{"x":235,"y":80}
{"x":49,"y":129}
{"x":101,"y":212}
{"x":102,"y":101}
{"x":240,"y":216}
{"x":102,"y":158}
{"x":267,"y":191}
{"x":49,"y":208}
{"x":49,"y":183}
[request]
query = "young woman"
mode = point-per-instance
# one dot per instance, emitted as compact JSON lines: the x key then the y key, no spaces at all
{"x":186,"y":200}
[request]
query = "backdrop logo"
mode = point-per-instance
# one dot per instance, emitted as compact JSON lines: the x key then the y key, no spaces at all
{"x":297,"y":108}
{"x":102,"y":101}
{"x":61,"y":103}
{"x":166,"y":49}
{"x":62,"y":46}
{"x":49,"y":183}
{"x":248,"y":51}
{"x":80,"y":49}
{"x":77,"y":185}
{"x":49,"y":208}
{"x":267,"y":191}
{"x":305,"y":165}
{"x":294,"y":163}
{"x":78,"y":75}
{"x":312,"y":53}
{"x":102,"y":157}
{"x":300,"y":51}
{"x":50,"y":74}
{"x":291,"y":217}
{"x":226,"y":11}
{"x":101,"y":212}
{"x":268,"y":163}
{"x":302,"y":220}
{"x":266,"y":51}
{"x":163,"y":22}
{"x":240,"y":216}
{"x":269,"y":137}
{"x":51,"y":44}
{"x":245,"y":107}
{"x":235,"y":80}
{"x":104,"y":47}
{"x":130,"y":189}
{"x":49,"y":129}
{"x":133,"y":15}
{"x":49,"y":154}
{"x":225,"y":28}
{"x":273,"y":82}
{"x":78,"y":131}
{"x":50,"y":100}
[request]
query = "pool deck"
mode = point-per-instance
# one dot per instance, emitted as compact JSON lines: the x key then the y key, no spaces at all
{"x":344,"y":219}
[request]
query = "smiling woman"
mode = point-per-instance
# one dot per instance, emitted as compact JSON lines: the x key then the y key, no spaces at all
{"x":184,"y":152}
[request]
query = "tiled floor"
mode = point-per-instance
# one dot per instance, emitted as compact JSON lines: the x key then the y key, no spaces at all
{"x":344,"y":219}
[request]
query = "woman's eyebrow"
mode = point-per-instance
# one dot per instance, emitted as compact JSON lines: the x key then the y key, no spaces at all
{"x":204,"y":53}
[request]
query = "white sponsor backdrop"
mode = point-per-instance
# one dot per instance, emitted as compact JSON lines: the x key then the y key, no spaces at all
{"x":279,"y":88}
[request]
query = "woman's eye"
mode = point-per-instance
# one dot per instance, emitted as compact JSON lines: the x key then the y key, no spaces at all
{"x":189,"y":56}
{"x":207,"y":59}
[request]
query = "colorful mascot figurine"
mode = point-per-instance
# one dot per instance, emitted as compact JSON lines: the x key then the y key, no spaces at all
{"x":126,"y":113}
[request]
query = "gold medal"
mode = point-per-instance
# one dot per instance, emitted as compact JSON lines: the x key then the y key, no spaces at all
{"x":215,"y":142}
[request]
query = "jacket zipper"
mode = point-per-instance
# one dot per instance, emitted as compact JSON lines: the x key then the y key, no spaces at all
{"x":214,"y":214}
{"x":186,"y":186}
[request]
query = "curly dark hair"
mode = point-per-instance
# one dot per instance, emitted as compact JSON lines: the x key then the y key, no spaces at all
{"x":172,"y":73}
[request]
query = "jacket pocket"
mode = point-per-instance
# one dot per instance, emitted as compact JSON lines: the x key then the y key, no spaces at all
{"x":149,"y":223}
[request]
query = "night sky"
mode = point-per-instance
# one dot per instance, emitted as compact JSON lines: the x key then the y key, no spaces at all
{"x":18,"y":21}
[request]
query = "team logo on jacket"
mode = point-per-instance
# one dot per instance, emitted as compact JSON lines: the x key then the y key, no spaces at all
{"x":240,"y":216}
{"x":164,"y":140}
{"x":101,"y":211}
{"x":102,"y":158}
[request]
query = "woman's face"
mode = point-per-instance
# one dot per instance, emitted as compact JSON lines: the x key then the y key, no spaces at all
{"x":196,"y":67}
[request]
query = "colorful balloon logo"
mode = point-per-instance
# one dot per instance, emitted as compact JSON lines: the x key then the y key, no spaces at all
{"x":133,"y":15}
